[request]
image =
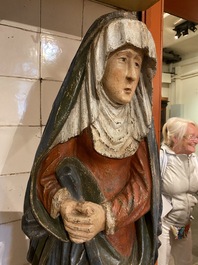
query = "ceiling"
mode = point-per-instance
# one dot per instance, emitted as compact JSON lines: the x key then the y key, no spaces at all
{"x":185,"y":44}
{"x":177,"y":12}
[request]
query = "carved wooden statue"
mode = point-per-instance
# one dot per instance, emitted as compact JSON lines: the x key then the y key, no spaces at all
{"x":93,"y":197}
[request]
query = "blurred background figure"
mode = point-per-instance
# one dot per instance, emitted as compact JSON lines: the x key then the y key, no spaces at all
{"x":179,"y":171}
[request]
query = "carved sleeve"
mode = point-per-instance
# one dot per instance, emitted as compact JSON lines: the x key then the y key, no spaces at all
{"x":47,"y":183}
{"x":134,"y":199}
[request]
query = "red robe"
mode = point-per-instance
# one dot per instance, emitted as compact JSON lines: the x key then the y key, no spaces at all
{"x":126,"y":183}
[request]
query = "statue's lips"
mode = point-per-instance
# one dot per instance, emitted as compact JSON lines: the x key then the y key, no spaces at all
{"x":128,"y":90}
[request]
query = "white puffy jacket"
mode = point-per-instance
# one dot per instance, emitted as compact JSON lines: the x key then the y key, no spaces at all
{"x":179,"y":185}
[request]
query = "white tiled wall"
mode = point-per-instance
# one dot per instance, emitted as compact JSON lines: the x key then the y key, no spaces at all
{"x":38,"y":40}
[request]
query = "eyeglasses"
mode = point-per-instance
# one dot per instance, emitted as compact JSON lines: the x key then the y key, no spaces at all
{"x":191,"y":137}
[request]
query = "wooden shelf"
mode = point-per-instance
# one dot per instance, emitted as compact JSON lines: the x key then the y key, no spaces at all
{"x":131,"y":5}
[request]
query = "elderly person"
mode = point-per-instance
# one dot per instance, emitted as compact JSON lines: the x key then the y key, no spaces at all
{"x":179,"y":168}
{"x":93,"y":196}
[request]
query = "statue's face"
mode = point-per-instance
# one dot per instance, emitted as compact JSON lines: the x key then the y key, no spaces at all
{"x":122,"y":74}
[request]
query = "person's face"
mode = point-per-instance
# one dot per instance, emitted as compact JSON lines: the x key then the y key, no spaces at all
{"x":122,"y":74}
{"x":188,"y":144}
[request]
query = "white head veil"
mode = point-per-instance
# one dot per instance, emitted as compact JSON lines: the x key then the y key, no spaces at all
{"x":116,"y":129}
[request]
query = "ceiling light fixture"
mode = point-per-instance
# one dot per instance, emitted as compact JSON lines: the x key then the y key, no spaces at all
{"x":182,"y":29}
{"x":192,"y":27}
{"x":178,"y":34}
{"x":185,"y":32}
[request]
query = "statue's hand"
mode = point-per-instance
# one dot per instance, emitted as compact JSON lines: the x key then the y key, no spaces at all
{"x":82,"y":220}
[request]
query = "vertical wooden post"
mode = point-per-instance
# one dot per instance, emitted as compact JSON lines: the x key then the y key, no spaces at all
{"x":153,"y":18}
